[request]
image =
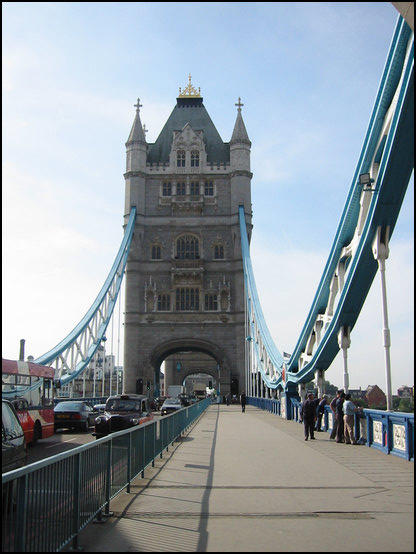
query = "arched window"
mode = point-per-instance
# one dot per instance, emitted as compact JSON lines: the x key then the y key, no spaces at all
{"x":218,"y":252}
{"x":211,"y":303}
{"x":180,"y":189}
{"x":167,"y":189}
{"x":156,"y":252}
{"x":180,"y":158}
{"x":194,"y":158}
{"x":187,"y":247}
{"x":209,"y":188}
{"x":195,"y":188}
{"x":163,"y":303}
{"x":187,"y":300}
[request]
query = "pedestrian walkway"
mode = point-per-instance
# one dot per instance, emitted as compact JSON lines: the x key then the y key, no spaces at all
{"x":249,"y":482}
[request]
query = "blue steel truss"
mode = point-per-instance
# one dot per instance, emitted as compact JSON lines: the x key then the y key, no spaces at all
{"x":387,"y":155}
{"x":72,"y":355}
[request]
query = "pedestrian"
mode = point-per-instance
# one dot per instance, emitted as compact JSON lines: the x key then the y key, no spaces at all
{"x":320,"y":410}
{"x":308,"y":415}
{"x":228,"y":398}
{"x":334,"y":415}
{"x":243,"y":401}
{"x":340,"y":417}
{"x":349,"y":409}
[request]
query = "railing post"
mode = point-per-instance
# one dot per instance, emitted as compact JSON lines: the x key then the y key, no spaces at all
{"x":144,"y":453}
{"x":76,"y":500}
{"x":108,"y":483}
{"x":129,"y":463}
{"x":20,"y":538}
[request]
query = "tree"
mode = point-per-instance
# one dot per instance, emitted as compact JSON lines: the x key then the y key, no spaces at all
{"x":405,"y":405}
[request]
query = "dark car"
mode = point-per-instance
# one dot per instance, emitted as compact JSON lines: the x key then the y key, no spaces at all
{"x":121,"y":412}
{"x":74,"y":414}
{"x":185,"y":399}
{"x":170,"y":405}
{"x":13,"y":443}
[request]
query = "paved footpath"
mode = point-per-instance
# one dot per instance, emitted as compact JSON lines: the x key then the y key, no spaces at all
{"x":250,"y":483}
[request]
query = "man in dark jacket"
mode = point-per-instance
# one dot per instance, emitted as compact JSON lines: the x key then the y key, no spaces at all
{"x":334,"y":414}
{"x":339,"y":413}
{"x":243,"y":401}
{"x":308,"y":414}
{"x":320,"y":410}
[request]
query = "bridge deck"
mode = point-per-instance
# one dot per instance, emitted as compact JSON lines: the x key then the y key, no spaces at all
{"x":249,"y":482}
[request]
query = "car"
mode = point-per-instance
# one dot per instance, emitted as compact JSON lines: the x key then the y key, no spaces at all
{"x":13,"y":442}
{"x":74,"y":414}
{"x":121,"y":412}
{"x":185,"y":399}
{"x":170,"y":405}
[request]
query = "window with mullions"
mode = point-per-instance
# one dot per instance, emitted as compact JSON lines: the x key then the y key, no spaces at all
{"x":180,"y":189}
{"x":195,"y":188}
{"x":194,"y":158}
{"x":209,"y":188}
{"x":180,"y":158}
{"x":218,"y":252}
{"x":167,"y":189}
{"x":187,"y":300}
{"x":211,"y":303}
{"x":163,"y":303}
{"x":156,"y":252}
{"x":187,"y":248}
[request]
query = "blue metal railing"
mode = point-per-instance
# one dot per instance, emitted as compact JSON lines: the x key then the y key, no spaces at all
{"x":46,"y":504}
{"x":389,"y":432}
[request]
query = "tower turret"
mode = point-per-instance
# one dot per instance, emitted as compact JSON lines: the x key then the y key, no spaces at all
{"x":240,"y":164}
{"x":240,"y":143}
{"x":136,"y":144}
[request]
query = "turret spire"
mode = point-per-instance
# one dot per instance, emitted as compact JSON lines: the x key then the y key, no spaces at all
{"x":239,"y":133}
{"x":137,"y":133}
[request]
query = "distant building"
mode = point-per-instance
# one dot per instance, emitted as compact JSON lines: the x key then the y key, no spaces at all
{"x":357,"y":394}
{"x":375,"y":397}
{"x":405,"y":392}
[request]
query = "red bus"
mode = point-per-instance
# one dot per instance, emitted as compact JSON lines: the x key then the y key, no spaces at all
{"x":29,"y":387}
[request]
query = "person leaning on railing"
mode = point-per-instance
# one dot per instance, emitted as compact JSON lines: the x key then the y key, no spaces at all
{"x":349,"y":409}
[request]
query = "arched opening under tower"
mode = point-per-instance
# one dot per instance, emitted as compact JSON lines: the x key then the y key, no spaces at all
{"x":184,"y":360}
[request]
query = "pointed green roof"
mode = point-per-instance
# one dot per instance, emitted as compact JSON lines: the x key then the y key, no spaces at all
{"x":192,"y":111}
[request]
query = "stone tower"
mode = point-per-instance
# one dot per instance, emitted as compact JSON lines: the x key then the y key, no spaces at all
{"x":184,"y":276}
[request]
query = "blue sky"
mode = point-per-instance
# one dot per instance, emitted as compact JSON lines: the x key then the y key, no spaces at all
{"x":307,"y":74}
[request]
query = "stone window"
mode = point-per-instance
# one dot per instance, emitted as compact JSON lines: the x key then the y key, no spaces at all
{"x":180,"y":158}
{"x":209,"y":188}
{"x":167,"y":189}
{"x":163,"y":303}
{"x":218,"y":252}
{"x":187,"y":247}
{"x":180,"y":189}
{"x":195,"y":188}
{"x":194,"y":158}
{"x":187,"y":300}
{"x":211,"y":303}
{"x":156,"y":252}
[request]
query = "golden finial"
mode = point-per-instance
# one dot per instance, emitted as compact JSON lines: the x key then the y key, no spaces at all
{"x":189,"y":90}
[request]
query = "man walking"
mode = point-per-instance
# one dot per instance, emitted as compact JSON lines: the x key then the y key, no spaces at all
{"x":243,"y":402}
{"x":308,"y":414}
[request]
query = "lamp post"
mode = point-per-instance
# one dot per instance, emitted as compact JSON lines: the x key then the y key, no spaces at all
{"x":381,"y":253}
